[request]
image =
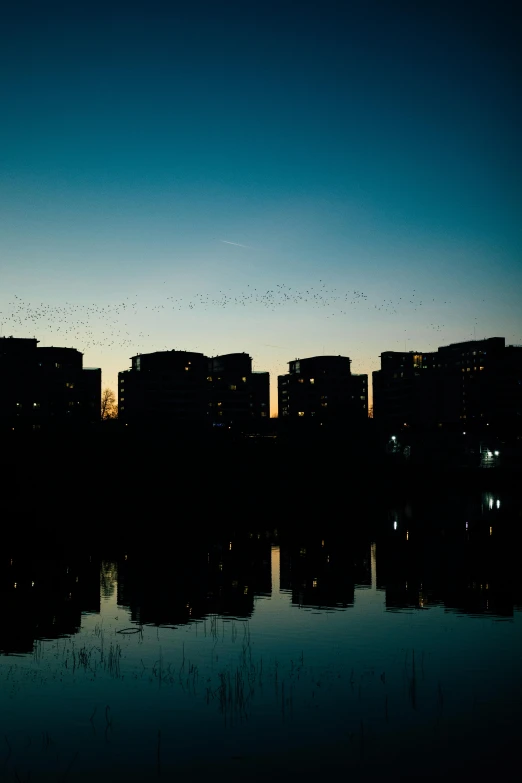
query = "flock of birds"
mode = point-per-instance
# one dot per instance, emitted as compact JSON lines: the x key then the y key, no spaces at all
{"x":120,"y":325}
{"x":128,"y":324}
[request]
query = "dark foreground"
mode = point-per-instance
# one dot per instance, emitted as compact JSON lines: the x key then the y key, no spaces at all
{"x":174,"y":616}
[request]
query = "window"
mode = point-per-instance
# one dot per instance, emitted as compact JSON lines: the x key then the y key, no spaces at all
{"x":36,"y":427}
{"x":324,"y":404}
{"x":71,"y":403}
{"x":244,"y":378}
{"x":312,"y":380}
{"x":232,"y":387}
{"x":263,"y":413}
{"x":300,"y":413}
{"x":58,"y":365}
{"x":69,"y":385}
{"x":219,"y":404}
{"x":209,"y":377}
{"x":300,"y":380}
{"x":36,"y":404}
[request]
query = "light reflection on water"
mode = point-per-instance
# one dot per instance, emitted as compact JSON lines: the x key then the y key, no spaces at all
{"x":271,"y":656}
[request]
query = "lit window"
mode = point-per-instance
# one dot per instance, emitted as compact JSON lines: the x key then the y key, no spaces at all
{"x":301,"y":413}
{"x":209,"y":377}
{"x":187,"y":368}
{"x":36,"y":404}
{"x":219,"y":404}
{"x":69,"y":385}
{"x":232,"y":387}
{"x":18,"y":404}
{"x":244,"y":378}
{"x":300,"y":380}
{"x":263,"y":413}
{"x":220,"y":413}
{"x":312,"y":380}
{"x":71,"y":403}
{"x":324,"y":404}
{"x":58,"y":365}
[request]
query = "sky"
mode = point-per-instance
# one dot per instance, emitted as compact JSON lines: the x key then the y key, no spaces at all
{"x":288,"y":179}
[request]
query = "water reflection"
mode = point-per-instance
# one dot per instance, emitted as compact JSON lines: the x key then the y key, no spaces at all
{"x":354,"y":645}
{"x":45,"y":597}
{"x":420,"y":557}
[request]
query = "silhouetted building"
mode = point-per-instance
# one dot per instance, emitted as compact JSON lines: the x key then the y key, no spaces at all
{"x":237,"y":395}
{"x":260,"y":394}
{"x":476,"y":383}
{"x":404,"y":389}
{"x":188,"y":389}
{"x":165,"y":387}
{"x":322,"y":388}
{"x":46,"y":388}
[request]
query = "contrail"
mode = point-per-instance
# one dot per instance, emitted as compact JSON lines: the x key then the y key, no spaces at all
{"x":237,"y":244}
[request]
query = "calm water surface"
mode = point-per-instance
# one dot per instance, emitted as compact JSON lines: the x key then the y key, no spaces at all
{"x":372,"y":648}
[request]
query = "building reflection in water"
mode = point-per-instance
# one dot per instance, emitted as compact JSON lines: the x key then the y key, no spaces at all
{"x":44,"y":597}
{"x":222,"y":578}
{"x":460,"y":558}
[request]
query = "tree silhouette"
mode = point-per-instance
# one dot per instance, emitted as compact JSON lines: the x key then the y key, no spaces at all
{"x":109,"y":407}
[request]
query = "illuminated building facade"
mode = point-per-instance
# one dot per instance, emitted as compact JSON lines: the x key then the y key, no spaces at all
{"x":46,"y":388}
{"x":183,"y":388}
{"x":323,"y":388}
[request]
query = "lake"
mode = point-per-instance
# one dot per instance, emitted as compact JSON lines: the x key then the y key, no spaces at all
{"x":385,"y":644}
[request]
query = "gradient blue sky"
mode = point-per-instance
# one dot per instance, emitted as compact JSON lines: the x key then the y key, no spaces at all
{"x":368,"y":147}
